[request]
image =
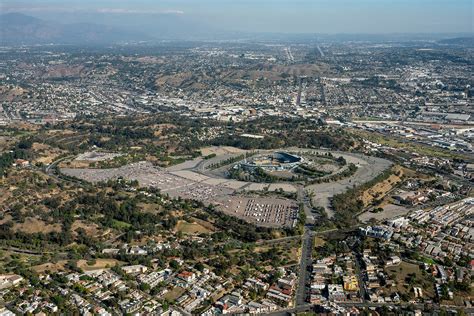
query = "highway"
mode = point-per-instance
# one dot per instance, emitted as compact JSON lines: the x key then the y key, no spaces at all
{"x":320,"y":51}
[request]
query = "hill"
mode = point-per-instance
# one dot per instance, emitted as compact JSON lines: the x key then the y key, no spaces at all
{"x":459,"y":41}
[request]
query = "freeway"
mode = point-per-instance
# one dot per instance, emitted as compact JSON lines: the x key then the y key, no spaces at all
{"x":278,"y":240}
{"x":320,"y":51}
{"x":50,"y":168}
{"x":32,"y":252}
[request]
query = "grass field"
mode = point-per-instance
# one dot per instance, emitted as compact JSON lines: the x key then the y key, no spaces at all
{"x":120,"y":225}
{"x":191,"y":228}
{"x":49,"y":266}
{"x":318,"y":241}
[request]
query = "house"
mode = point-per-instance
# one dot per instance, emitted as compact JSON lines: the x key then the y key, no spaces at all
{"x":134,"y":269}
{"x":393,"y":261}
{"x":351,"y":283}
{"x":9,"y":280}
{"x":230,"y":303}
{"x":128,"y":306}
{"x":256,"y":284}
{"x":336,"y":293}
{"x":21,"y":163}
{"x":135,"y":250}
{"x":6,"y":312}
{"x":110,"y":251}
{"x":418,"y":292}
{"x":187,"y":276}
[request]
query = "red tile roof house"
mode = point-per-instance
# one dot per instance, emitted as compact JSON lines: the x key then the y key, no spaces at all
{"x":187,"y":276}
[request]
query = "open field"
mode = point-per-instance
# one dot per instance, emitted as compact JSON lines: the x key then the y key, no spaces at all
{"x":403,"y":276}
{"x":318,"y":242}
{"x":33,"y":225}
{"x":82,"y":264}
{"x":45,"y":153}
{"x":206,"y":151}
{"x":91,"y":229}
{"x":49,"y":266}
{"x":174,"y":293}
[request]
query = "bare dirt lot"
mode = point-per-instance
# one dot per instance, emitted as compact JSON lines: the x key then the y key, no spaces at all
{"x":206,"y":151}
{"x":380,"y":189}
{"x":389,"y":211}
{"x":97,"y":264}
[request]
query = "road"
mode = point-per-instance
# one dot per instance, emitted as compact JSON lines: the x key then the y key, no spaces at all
{"x":50,"y":168}
{"x":302,"y":197}
{"x":309,"y":307}
{"x":360,"y":277}
{"x":304,"y":279}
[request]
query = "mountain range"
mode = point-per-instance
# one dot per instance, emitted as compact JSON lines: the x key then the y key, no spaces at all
{"x":17,"y":28}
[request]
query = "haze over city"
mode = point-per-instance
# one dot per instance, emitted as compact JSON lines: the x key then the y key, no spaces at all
{"x":275,"y":16}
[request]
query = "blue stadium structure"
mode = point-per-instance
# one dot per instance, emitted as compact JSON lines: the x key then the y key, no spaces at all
{"x":278,"y":161}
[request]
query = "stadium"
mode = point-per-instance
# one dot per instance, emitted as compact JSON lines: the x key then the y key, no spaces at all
{"x":277,"y":161}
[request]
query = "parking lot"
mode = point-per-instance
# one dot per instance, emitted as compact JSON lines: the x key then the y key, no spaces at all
{"x":270,"y":212}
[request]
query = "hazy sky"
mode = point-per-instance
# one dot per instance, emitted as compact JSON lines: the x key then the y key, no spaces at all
{"x":291,"y":16}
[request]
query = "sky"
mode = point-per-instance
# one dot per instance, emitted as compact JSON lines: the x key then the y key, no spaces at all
{"x":275,"y":16}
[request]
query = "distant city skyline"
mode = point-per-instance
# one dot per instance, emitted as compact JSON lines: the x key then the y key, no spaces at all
{"x":279,"y":16}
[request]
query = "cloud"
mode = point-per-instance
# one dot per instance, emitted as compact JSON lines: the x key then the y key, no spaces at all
{"x":33,"y":9}
{"x":131,"y":11}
